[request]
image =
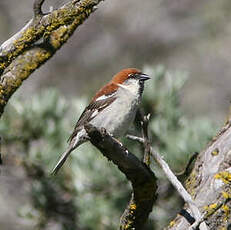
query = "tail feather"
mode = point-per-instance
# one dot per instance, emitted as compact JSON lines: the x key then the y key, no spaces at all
{"x":62,"y":159}
{"x":76,"y":141}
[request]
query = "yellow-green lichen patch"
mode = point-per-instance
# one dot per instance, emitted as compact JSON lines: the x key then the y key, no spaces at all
{"x":24,"y":67}
{"x":226,"y":195}
{"x":215,"y":152}
{"x":2,"y":65}
{"x":65,"y":20}
{"x":27,"y":37}
{"x":225,"y":176}
{"x":226,"y":210}
{"x":210,"y":208}
{"x":172,"y":223}
{"x":60,"y":17}
{"x":60,"y":36}
{"x":190,"y":183}
{"x":128,"y":225}
{"x":133,"y":206}
{"x":42,"y":56}
{"x":10,"y":86}
{"x":27,"y":69}
{"x":24,"y":41}
{"x":2,"y":97}
{"x":57,"y":37}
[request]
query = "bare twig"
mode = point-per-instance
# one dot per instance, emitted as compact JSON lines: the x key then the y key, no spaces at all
{"x":37,"y":7}
{"x":144,"y":120}
{"x":142,"y":178}
{"x":135,"y":138}
{"x":179,"y":187}
{"x":147,"y":144}
{"x":197,"y":223}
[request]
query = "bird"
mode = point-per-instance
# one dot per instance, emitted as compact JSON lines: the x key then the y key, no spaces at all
{"x":113,"y":108}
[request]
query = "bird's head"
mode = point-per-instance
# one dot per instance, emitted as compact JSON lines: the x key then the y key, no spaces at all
{"x":131,"y":79}
{"x":129,"y":74}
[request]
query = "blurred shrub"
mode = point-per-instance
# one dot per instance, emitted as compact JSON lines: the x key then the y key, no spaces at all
{"x":173,"y":134}
{"x":35,"y":129}
{"x":89,"y":192}
{"x":176,"y":137}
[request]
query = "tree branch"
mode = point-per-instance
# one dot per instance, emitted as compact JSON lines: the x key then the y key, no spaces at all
{"x":142,"y":178}
{"x":179,"y":187}
{"x":144,"y":120}
{"x":37,"y":7}
{"x":20,"y":56}
{"x":210,"y":184}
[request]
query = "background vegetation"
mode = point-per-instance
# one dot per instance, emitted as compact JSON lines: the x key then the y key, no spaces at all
{"x":190,"y":36}
{"x":90,"y":192}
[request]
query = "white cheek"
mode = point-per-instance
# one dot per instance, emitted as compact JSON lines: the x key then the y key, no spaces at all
{"x":130,"y":87}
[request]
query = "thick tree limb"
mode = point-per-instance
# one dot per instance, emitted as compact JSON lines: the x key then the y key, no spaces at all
{"x":142,"y":178}
{"x":20,"y":56}
{"x":210,"y":184}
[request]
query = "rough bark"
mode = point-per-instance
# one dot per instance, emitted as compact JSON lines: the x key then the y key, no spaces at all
{"x":138,"y":173}
{"x":37,"y":42}
{"x":210,"y":185}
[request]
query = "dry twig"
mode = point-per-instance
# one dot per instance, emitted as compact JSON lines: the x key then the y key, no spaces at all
{"x":37,"y":7}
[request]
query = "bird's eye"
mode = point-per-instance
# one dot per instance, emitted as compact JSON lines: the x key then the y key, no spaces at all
{"x":131,"y":75}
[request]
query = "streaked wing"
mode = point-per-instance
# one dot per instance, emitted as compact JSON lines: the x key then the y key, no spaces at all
{"x":91,"y":111}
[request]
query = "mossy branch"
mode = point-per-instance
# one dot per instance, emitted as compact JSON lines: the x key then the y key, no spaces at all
{"x":142,"y":178}
{"x":20,"y":55}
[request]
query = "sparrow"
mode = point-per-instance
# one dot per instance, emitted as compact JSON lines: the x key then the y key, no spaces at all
{"x":113,"y":107}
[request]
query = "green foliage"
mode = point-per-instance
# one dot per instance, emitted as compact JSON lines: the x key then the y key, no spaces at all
{"x":35,"y":129}
{"x":90,"y":191}
{"x":175,"y":136}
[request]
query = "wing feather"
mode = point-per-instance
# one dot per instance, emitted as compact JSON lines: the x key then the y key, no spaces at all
{"x":94,"y":108}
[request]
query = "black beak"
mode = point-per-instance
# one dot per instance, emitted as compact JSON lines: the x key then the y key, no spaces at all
{"x":143,"y":77}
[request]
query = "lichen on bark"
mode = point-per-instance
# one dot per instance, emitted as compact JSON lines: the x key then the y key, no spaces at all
{"x":20,"y":55}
